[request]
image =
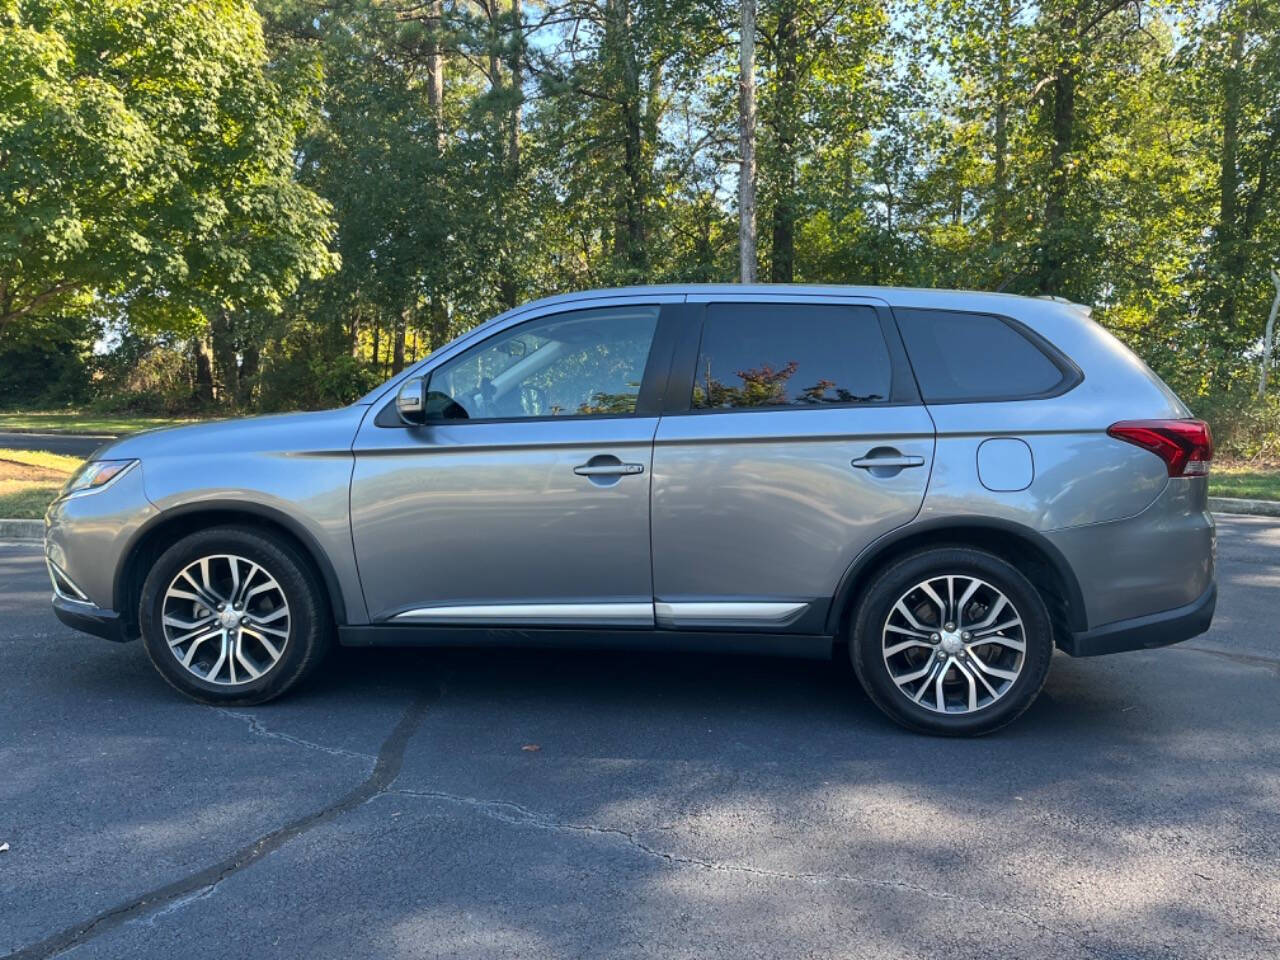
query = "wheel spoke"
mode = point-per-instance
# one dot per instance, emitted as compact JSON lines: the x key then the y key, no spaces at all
{"x":254,"y":672}
{"x":993,"y":671}
{"x":261,"y":638}
{"x":245,"y":595}
{"x":964,"y":602}
{"x":973,"y":686}
{"x":903,"y":678}
{"x":202,"y":595}
{"x":906,"y":645}
{"x":937,"y":668}
{"x":992,"y":614}
{"x":996,"y":638}
{"x":187,"y":624}
{"x":196,"y":638}
{"x":927,"y":589}
{"x":200,"y":633}
{"x":909,"y":617}
{"x":212,"y":673}
{"x":908,"y":632}
{"x":1000,"y":628}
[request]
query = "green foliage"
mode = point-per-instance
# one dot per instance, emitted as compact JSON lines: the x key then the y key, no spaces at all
{"x":279,"y":208}
{"x":146,"y":164}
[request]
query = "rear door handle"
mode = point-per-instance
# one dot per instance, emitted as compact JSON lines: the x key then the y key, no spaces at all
{"x":608,"y":469}
{"x":892,"y":463}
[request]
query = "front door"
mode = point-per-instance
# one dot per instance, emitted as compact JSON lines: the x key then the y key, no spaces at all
{"x":796,"y":440}
{"x":525,"y":500}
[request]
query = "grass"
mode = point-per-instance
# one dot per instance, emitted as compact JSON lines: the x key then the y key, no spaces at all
{"x":29,"y":479}
{"x":70,"y":421}
{"x":1244,"y":480}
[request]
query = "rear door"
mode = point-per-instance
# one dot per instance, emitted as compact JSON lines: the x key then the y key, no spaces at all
{"x":792,"y":437}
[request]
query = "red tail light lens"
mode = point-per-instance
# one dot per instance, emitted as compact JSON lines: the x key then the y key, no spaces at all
{"x":1186,"y":446}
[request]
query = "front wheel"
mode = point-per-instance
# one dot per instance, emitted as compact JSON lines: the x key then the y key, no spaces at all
{"x":232,"y":617}
{"x":952,"y":641}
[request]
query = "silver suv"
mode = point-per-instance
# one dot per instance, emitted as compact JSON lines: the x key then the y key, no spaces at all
{"x":946,"y":485}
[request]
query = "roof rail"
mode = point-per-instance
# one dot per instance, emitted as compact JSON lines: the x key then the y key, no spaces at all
{"x":1079,"y":307}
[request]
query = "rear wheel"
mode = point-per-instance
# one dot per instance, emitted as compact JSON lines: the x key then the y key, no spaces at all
{"x":230,"y":616}
{"x":952,"y":641}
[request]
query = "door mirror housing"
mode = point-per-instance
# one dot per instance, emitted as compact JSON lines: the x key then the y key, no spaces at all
{"x":411,"y":401}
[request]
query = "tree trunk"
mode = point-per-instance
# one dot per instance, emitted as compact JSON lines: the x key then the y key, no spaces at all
{"x":783,"y":259}
{"x":517,"y":90}
{"x":204,"y":374}
{"x":747,"y":144}
{"x":1228,"y":240}
{"x":1269,"y":339}
{"x":629,"y":231}
{"x":435,"y":69}
{"x":508,"y":279}
{"x":1000,"y":176}
{"x":397,"y":354}
{"x":1053,"y":253}
{"x":250,"y":359}
{"x":226,"y":371}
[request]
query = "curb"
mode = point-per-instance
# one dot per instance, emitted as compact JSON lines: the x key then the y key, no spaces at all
{"x":21,"y":529}
{"x":1258,"y":508}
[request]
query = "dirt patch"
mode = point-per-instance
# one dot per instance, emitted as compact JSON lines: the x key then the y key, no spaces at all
{"x":10,"y":470}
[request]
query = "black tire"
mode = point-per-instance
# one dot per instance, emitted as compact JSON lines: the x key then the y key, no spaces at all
{"x":310,"y":630}
{"x":877,"y":602}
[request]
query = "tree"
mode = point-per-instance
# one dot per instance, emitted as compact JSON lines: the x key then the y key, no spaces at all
{"x":146,"y":164}
{"x":747,"y":143}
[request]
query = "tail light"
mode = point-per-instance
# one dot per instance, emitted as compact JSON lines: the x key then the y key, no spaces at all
{"x":1185,"y":446}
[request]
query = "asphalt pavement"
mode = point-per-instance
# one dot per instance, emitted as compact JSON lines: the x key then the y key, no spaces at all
{"x":70,"y":444}
{"x":492,"y":804}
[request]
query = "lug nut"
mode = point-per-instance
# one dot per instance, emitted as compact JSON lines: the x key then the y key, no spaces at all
{"x":933,"y":637}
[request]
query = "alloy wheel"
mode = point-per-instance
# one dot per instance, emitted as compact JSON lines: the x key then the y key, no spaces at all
{"x":954,"y":644}
{"x":226,"y":619}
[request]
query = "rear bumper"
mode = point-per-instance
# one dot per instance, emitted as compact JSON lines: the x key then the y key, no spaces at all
{"x":90,"y":619}
{"x":1142,"y":633}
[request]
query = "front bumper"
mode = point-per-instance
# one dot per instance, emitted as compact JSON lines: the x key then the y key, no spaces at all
{"x":1142,"y":633}
{"x":92,"y":619}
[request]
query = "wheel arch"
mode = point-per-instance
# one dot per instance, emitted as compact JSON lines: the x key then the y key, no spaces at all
{"x":1037,"y":558}
{"x":167,"y":528}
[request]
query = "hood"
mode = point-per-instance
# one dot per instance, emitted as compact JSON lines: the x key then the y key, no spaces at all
{"x":316,"y":432}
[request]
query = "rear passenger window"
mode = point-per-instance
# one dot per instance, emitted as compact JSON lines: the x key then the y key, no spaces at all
{"x":790,"y":355}
{"x":974,"y":356}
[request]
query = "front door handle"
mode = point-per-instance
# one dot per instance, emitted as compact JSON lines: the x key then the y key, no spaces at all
{"x":890,"y":462}
{"x":608,"y":469}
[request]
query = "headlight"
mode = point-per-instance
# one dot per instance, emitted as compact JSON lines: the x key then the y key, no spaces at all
{"x":96,"y":475}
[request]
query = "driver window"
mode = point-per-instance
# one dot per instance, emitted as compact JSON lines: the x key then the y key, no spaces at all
{"x":584,"y":363}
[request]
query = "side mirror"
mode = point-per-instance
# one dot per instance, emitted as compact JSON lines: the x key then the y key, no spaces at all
{"x":411,"y":401}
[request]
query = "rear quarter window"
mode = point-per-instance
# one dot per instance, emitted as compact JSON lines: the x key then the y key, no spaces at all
{"x":971,"y":357}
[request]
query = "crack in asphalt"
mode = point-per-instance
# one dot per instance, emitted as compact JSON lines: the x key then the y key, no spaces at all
{"x":196,"y":886}
{"x":1247,"y":659}
{"x":515,"y":814}
{"x":258,"y":728}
